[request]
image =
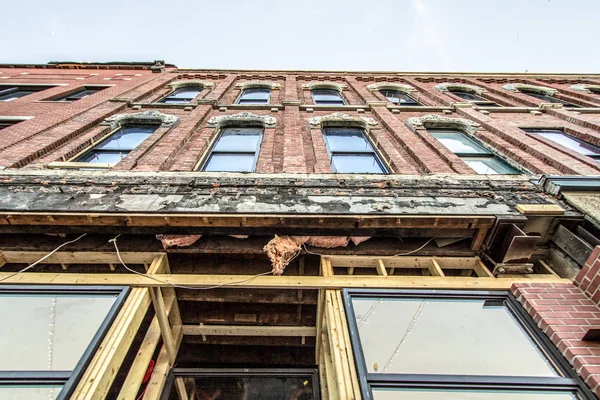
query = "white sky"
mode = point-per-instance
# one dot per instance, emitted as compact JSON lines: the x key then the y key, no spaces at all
{"x":379,"y":35}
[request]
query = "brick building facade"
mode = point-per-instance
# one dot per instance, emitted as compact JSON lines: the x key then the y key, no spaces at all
{"x":365,"y":189}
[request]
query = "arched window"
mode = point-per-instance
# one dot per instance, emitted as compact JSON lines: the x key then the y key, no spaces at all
{"x":237,"y":144}
{"x":330,"y":97}
{"x":351,"y":151}
{"x":181,"y":95}
{"x":470,"y":93}
{"x":539,"y":92}
{"x":456,"y":135}
{"x":399,"y":98}
{"x":121,"y":142}
{"x":256,"y":95}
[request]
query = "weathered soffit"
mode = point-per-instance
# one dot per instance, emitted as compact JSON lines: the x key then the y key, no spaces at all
{"x":444,"y":87}
{"x":150,"y":116}
{"x":339,"y":117}
{"x":295,"y":194}
{"x":439,"y":121}
{"x":242,"y":118}
{"x":516,"y":87}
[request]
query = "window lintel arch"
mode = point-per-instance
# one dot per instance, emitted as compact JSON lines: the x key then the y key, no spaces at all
{"x":144,"y":117}
{"x":258,"y":85}
{"x":192,"y":83}
{"x":585,"y":87}
{"x":517,"y":87}
{"x":434,"y":121}
{"x":324,"y":85}
{"x":461,"y":87}
{"x":241,"y":120}
{"x":341,"y":120}
{"x":375,"y":87}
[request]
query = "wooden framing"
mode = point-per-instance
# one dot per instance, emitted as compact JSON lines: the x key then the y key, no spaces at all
{"x":333,"y":350}
{"x":337,"y":360}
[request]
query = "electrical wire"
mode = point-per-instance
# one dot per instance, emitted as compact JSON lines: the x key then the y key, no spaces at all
{"x":395,"y":255}
{"x":42,"y":259}
{"x":114,"y":242}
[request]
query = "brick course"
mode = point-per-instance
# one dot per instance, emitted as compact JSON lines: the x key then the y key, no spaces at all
{"x":59,"y":130}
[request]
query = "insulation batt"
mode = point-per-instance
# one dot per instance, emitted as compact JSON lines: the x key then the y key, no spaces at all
{"x":281,"y":250}
{"x":178,"y":240}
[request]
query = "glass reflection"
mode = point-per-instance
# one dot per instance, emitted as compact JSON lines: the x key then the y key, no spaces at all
{"x":450,"y":394}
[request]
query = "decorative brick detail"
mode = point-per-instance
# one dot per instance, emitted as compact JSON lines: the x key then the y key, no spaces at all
{"x":565,"y":314}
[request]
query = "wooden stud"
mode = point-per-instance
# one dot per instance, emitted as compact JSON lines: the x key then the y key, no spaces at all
{"x":138,"y":368}
{"x":348,"y":346}
{"x":326,"y":267}
{"x":81,"y":257}
{"x":435,"y":269}
{"x":100,"y":373}
{"x":249,"y":330}
{"x":2,"y":259}
{"x":481,"y":270}
{"x":274,"y":282}
{"x":112,"y":266}
{"x":381,"y":268}
{"x":161,"y":370}
{"x":479,"y":238}
{"x":540,"y":209}
{"x":319,"y":323}
{"x":163,"y":322}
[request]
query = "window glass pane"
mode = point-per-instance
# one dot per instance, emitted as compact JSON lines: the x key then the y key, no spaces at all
{"x":253,"y":101}
{"x":255,"y":96}
{"x":239,"y":139}
{"x":103,"y":157}
{"x":467,"y":96}
{"x":569,"y":142}
{"x":455,"y":394}
{"x":549,"y":99}
{"x":399,"y":98}
{"x":356,"y":164}
{"x":457,"y":142}
{"x":489,"y":165}
{"x":48,"y":331}
{"x":29,"y":392}
{"x":15,"y":95}
{"x":186,"y":93}
{"x":327,"y":96}
{"x":440,"y":336}
{"x":347,"y":139}
{"x":254,"y":387}
{"x":230,"y":162}
{"x":127,"y":138}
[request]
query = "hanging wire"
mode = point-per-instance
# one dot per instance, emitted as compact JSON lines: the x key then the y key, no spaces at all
{"x":114,"y":242}
{"x":42,"y":259}
{"x":395,"y":255}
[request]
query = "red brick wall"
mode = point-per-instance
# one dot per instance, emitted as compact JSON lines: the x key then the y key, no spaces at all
{"x":565,"y":312}
{"x":58,"y":131}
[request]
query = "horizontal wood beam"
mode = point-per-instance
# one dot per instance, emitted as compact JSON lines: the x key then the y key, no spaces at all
{"x":79,"y":257}
{"x":247,"y":330}
{"x":246,"y":220}
{"x":275,"y":282}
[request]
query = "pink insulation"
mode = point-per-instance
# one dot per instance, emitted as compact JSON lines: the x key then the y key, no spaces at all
{"x":178,"y":240}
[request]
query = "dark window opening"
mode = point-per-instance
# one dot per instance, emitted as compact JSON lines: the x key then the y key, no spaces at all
{"x":473,"y":98}
{"x":236,"y":150}
{"x":13,"y":92}
{"x":548,"y":98}
{"x":247,"y":384}
{"x":480,"y":159}
{"x":351,"y":152}
{"x":399,"y":98}
{"x":123,"y":141}
{"x":255,"y":96}
{"x":327,"y":97}
{"x":182,"y":95}
{"x":570,"y":142}
{"x":82,"y":93}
